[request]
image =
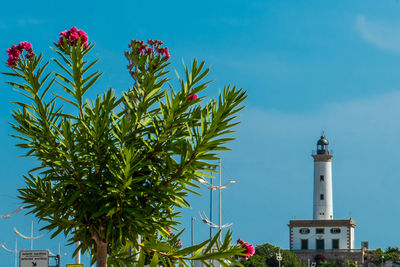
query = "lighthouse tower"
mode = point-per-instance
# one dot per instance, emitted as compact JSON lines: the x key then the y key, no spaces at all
{"x":323,"y":235}
{"x":323,"y":204}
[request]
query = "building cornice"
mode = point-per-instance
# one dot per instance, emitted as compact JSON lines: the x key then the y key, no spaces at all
{"x":322,"y":223}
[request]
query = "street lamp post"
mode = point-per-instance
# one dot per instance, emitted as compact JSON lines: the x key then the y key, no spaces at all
{"x":211,"y":205}
{"x":27,"y":237}
{"x":6,"y":216}
{"x":78,"y":254}
{"x":12,"y":213}
{"x":220,"y":199}
{"x":58,"y":256}
{"x":193,"y":218}
{"x":9,"y":250}
{"x":212,"y":188}
{"x":279,"y":257}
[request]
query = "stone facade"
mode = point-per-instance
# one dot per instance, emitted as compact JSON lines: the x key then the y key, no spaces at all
{"x":339,"y":256}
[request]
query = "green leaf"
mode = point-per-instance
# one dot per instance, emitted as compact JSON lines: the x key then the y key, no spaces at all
{"x":212,"y":242}
{"x":189,"y":250}
{"x":66,"y":100}
{"x":154,"y":260}
{"x":142,"y":257}
{"x":11,"y":74}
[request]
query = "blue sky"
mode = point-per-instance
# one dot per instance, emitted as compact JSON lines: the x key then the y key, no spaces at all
{"x":307,"y":66}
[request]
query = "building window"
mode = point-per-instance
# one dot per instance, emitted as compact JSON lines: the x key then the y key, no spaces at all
{"x":322,"y":178}
{"x":335,"y":243}
{"x":319,"y":231}
{"x":335,"y":230}
{"x":304,"y":244}
{"x":320,"y":243}
{"x":304,"y":231}
{"x":321,"y":197}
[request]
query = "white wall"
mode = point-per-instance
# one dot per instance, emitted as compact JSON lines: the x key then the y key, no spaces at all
{"x":323,"y":209}
{"x":327,"y":236}
{"x":351,"y":237}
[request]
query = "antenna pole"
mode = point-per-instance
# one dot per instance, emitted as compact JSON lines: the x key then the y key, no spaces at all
{"x":220,"y":200}
{"x":16,"y":252}
{"x":32,"y":236}
{"x":211,"y":205}
{"x":192,"y":230}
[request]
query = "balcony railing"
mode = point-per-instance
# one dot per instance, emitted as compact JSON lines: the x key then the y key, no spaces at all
{"x":314,"y":152}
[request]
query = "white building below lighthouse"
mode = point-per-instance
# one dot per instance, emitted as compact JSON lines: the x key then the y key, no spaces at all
{"x":323,"y":236}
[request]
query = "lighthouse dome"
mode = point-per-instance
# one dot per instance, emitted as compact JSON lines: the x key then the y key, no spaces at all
{"x":323,"y":141}
{"x":322,"y":145}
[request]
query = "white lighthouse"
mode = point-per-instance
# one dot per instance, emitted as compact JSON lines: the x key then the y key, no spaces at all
{"x":323,"y":204}
{"x":323,"y":236}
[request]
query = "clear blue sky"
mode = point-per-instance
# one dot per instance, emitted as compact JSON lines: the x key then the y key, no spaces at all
{"x":307,"y":66}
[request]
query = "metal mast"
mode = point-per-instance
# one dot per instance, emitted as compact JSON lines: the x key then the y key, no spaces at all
{"x":212,"y":188}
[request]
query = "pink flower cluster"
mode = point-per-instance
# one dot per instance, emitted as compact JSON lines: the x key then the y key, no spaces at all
{"x":15,"y":51}
{"x":72,"y":36}
{"x":192,"y":97}
{"x":248,"y":248}
{"x":169,"y":230}
{"x":172,"y":234}
{"x":149,"y":48}
{"x":164,"y":52}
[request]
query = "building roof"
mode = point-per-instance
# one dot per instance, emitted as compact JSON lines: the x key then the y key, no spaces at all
{"x":322,"y":223}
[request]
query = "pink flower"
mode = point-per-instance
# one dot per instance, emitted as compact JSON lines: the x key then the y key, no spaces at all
{"x":30,"y":55}
{"x":163,"y":51}
{"x":248,"y":248}
{"x":180,"y":243}
{"x":156,"y":43}
{"x":27,"y":46}
{"x":152,"y":47}
{"x":169,"y":230}
{"x":192,"y":97}
{"x":11,"y":61}
{"x":150,"y":42}
{"x":72,"y":36}
{"x":149,"y":51}
{"x":83,"y":35}
{"x":133,"y":42}
{"x":15,"y":51}
{"x":166,"y":53}
{"x":24,"y":46}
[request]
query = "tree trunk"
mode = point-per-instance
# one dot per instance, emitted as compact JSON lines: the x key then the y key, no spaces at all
{"x":101,"y":253}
